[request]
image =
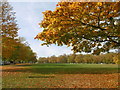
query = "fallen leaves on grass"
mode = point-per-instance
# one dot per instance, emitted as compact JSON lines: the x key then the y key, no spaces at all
{"x":20,"y":79}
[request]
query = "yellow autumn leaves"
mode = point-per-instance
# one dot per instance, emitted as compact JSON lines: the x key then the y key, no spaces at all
{"x":81,"y":20}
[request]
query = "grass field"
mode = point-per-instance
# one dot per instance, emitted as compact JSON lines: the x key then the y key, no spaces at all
{"x":60,"y":76}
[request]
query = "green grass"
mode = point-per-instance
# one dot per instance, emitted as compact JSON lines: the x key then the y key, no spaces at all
{"x":42,"y":73}
{"x":73,"y":68}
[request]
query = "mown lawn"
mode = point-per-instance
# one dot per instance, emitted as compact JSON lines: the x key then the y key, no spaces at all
{"x":60,"y":76}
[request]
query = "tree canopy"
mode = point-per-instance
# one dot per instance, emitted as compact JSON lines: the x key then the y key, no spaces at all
{"x":91,"y":27}
{"x":8,"y":25}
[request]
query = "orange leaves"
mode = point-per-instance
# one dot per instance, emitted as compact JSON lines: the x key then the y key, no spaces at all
{"x":8,"y":24}
{"x":83,"y":17}
{"x":99,"y":4}
{"x":47,"y":13}
{"x":89,"y":76}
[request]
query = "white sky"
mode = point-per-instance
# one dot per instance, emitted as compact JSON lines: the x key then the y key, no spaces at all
{"x":28,"y":15}
{"x":33,"y":0}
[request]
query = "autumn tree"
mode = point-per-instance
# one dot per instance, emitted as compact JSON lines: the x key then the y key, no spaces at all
{"x":44,"y":60}
{"x":9,"y":29}
{"x":71,"y":58}
{"x":53,"y":59}
{"x":23,"y":52}
{"x":9,"y":25}
{"x":90,"y":27}
{"x":116,"y":59}
{"x":62,"y":59}
{"x":14,"y":49}
{"x":80,"y":58}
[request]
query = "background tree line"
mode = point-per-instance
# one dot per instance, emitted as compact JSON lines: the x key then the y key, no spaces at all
{"x":108,"y":58}
{"x":14,"y":48}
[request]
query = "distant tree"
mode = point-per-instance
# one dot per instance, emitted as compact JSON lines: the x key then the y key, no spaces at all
{"x":86,"y":26}
{"x":42,"y":60}
{"x":53,"y":59}
{"x":116,"y":59}
{"x":62,"y":59}
{"x":88,"y":58}
{"x":71,"y":58}
{"x":78,"y":59}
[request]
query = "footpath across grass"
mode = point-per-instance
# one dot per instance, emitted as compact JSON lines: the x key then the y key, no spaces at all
{"x":60,"y":76}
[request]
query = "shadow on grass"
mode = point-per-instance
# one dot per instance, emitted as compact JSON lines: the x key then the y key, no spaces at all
{"x":75,"y":70}
{"x":66,"y":70}
{"x":23,"y":65}
{"x":41,"y":76}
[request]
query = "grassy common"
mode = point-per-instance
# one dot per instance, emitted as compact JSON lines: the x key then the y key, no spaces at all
{"x":60,"y":76}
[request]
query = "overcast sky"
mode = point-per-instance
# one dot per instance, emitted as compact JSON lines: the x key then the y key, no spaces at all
{"x":28,"y":15}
